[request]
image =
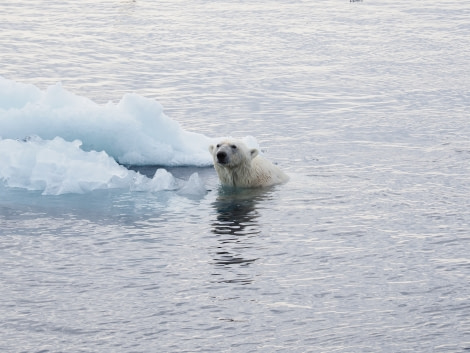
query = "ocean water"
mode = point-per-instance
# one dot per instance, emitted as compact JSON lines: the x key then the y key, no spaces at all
{"x":364,"y":104}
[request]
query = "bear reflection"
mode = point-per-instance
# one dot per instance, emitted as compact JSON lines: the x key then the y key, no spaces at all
{"x":236,"y":224}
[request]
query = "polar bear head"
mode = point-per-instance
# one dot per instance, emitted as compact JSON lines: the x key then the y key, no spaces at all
{"x":232,"y":154}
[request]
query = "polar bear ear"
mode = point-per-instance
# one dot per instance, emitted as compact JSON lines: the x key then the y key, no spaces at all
{"x":211,"y":148}
{"x":253,"y":153}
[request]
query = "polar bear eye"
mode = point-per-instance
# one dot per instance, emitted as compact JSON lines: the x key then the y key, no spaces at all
{"x":234,"y":147}
{"x":218,"y":145}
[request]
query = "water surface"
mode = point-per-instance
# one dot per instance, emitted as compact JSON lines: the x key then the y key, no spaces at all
{"x":366,"y":249}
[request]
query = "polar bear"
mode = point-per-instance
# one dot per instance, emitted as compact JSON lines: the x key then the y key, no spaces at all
{"x":239,"y":166}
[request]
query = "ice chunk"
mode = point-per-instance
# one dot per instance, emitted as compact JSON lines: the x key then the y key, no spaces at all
{"x":193,"y":187}
{"x":162,"y":180}
{"x":133,"y":131}
{"x":57,"y":142}
{"x":58,"y":167}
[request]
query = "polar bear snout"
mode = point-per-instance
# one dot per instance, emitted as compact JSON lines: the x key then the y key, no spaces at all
{"x":222,"y":157}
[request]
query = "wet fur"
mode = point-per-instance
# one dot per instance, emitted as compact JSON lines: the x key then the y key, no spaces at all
{"x":245,"y":167}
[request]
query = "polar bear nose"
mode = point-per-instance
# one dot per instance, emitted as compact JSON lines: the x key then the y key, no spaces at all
{"x":222,"y":157}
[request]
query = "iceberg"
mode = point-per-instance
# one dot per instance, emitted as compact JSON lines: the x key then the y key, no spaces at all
{"x":134,"y":131}
{"x":57,"y":142}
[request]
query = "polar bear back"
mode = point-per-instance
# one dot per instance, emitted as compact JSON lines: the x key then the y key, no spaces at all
{"x":264,"y":173}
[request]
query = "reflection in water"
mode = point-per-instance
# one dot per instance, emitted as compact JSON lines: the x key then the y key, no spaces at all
{"x":236,"y":212}
{"x":235,"y":226}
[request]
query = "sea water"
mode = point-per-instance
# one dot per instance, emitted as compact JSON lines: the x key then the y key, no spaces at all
{"x":116,"y":236}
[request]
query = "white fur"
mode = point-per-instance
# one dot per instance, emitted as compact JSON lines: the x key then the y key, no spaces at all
{"x":244,"y":167}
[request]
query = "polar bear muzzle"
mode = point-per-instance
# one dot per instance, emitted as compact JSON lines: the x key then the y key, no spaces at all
{"x":222,"y":157}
